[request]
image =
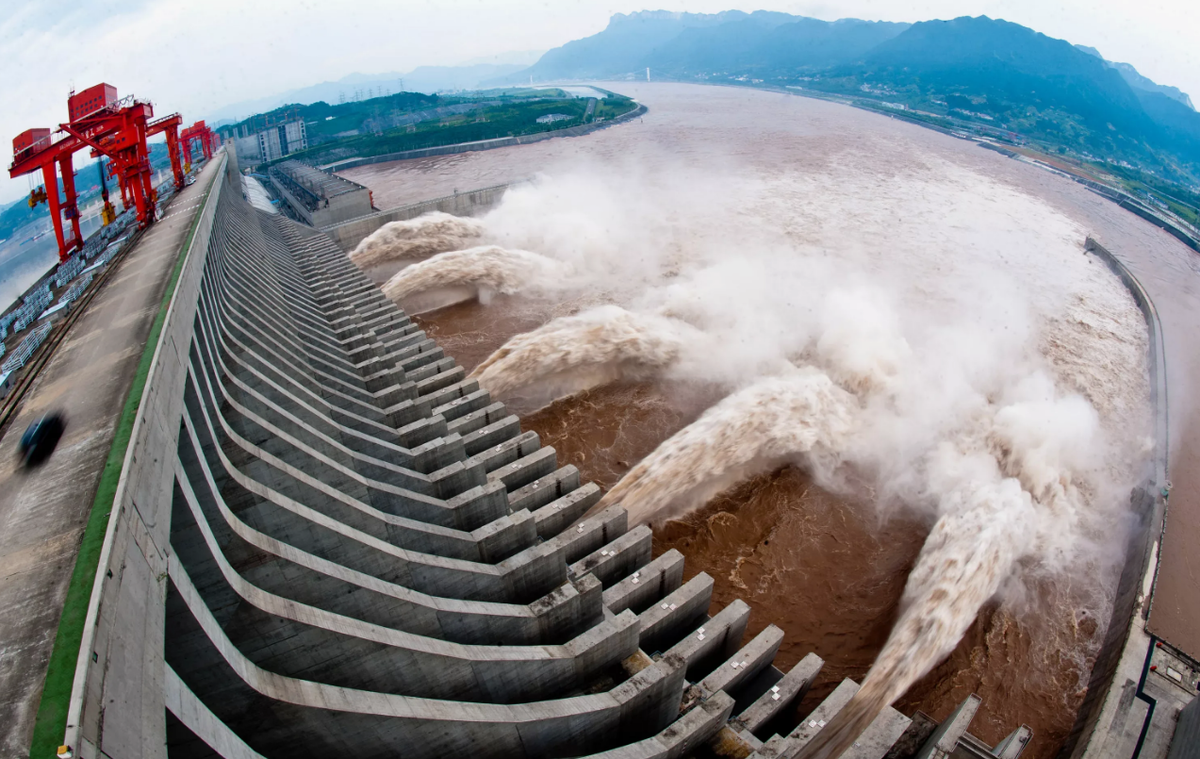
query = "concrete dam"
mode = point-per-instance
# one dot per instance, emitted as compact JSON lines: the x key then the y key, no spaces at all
{"x":327,"y":541}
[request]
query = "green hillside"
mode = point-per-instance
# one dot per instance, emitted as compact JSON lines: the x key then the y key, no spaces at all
{"x":977,"y":73}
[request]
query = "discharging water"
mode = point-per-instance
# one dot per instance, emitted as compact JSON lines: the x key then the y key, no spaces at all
{"x":939,"y":400}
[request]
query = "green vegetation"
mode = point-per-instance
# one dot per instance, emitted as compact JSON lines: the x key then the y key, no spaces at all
{"x":51,"y":721}
{"x":324,"y":122}
{"x":612,"y":106}
{"x":410,"y":121}
{"x":1181,"y":201}
{"x":485,"y":123}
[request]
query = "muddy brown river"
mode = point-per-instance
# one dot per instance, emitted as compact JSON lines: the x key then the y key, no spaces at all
{"x":829,"y":569}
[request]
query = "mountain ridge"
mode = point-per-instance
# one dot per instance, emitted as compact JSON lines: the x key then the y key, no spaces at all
{"x":424,"y":79}
{"x":992,"y":71}
{"x":1137,"y":81}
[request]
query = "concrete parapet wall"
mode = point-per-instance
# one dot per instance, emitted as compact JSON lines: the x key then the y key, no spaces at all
{"x":119,"y":715}
{"x":1141,"y":211}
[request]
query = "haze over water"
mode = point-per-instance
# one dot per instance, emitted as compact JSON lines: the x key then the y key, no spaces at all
{"x":833,"y":177}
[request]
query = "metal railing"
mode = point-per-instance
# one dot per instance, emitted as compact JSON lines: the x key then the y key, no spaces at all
{"x":76,"y":289}
{"x":68,"y":270}
{"x":32,"y":307}
{"x":100,"y":240}
{"x":25,"y":349}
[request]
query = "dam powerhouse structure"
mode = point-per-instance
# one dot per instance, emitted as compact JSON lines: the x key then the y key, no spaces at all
{"x":326,"y":541}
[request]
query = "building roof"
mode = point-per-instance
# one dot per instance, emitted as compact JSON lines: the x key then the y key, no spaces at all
{"x":322,"y":184}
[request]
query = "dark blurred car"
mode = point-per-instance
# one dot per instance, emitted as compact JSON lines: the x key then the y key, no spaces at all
{"x":41,"y":437}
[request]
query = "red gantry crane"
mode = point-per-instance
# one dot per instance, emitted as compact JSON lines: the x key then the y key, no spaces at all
{"x":200,"y":133}
{"x":169,"y":125}
{"x":111,"y":127}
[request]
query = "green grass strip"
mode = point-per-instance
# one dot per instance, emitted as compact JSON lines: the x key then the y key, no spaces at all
{"x":51,"y":722}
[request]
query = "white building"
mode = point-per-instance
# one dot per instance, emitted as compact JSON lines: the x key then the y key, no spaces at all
{"x":282,"y":140}
{"x":272,"y":143}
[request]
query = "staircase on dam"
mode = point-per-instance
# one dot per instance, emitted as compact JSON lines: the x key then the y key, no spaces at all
{"x":333,"y":543}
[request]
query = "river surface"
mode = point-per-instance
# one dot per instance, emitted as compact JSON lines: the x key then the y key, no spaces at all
{"x":829,"y":569}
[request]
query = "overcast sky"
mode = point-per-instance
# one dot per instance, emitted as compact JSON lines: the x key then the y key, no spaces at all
{"x":197,"y":55}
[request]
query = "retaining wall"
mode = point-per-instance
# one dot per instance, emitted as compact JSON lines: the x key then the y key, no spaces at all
{"x":1124,"y":200}
{"x":349,"y":234}
{"x":1148,"y":507}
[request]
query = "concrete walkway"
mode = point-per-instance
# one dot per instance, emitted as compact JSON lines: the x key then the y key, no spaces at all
{"x":43,"y":512}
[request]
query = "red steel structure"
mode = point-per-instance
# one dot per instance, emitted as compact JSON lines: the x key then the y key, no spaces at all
{"x":200,"y":133}
{"x":50,"y":157}
{"x":119,"y":132}
{"x":91,"y":100}
{"x":113,"y":128}
{"x":169,"y":125}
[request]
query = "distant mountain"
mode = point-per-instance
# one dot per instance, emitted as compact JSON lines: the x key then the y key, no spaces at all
{"x":1011,"y":66}
{"x":771,"y":42}
{"x":330,"y":92}
{"x":356,"y":86}
{"x":1137,"y":81}
{"x":624,"y":46}
{"x":431,"y":79}
{"x":513,"y":58}
{"x":683,"y":44}
{"x":1036,"y":85}
{"x":988,"y":70}
{"x":1177,"y":122}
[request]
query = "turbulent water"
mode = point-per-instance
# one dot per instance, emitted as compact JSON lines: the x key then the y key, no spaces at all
{"x":929,"y":343}
{"x":479,"y":272}
{"x":801,"y":416}
{"x":573,"y":353}
{"x":417,"y":238}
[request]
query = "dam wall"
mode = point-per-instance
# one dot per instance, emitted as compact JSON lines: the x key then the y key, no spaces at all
{"x":328,"y":541}
{"x":1142,"y":212}
{"x":1106,"y":705}
{"x":349,"y":234}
